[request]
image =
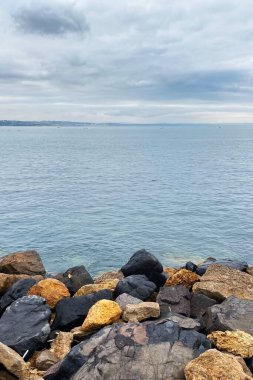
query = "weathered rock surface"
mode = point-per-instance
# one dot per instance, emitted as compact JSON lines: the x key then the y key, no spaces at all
{"x":191,"y":266}
{"x":141,"y":311}
{"x":183,"y":322}
{"x":250,"y":271}
{"x":235,"y":264}
{"x":237,"y":342}
{"x":103,"y":313}
{"x":183,"y":277}
{"x":112,"y":275}
{"x":6,"y":375}
{"x":71,"y":312}
{"x":232,"y":314}
{"x":215,"y":365}
{"x":28,"y":262}
{"x":13,"y":362}
{"x":200,"y":304}
{"x":125,"y":299}
{"x":74,"y":278}
{"x":7,"y":280}
{"x":17,"y":290}
{"x":146,"y":351}
{"x":51,"y":289}
{"x":24,"y":324}
{"x":170,"y":271}
{"x":137,"y":286}
{"x":43,"y":360}
{"x":174,"y":299}
{"x":62,"y":344}
{"x":93,"y":288}
{"x":220,"y":282}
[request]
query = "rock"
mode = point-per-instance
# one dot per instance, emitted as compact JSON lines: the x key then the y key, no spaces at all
{"x":7,"y":280}
{"x":249,"y":363}
{"x":94,"y":288}
{"x":62,"y":344}
{"x":13,"y":362}
{"x":24,"y":324}
{"x":199,"y":305}
{"x":191,"y":266}
{"x":146,"y":351}
{"x":220,"y":282}
{"x":215,"y":365}
{"x":103,"y":313}
{"x":183,"y":322}
{"x":17,"y":290}
{"x":170,"y":272}
{"x":74,"y":278}
{"x":141,"y":311}
{"x":112,"y":275}
{"x":71,"y":312}
{"x":137,"y":286}
{"x":232,"y":314}
{"x":43,"y":360}
{"x":6,"y":375}
{"x":51,"y":289}
{"x":174,"y":299}
{"x":250,"y":271}
{"x":235,"y":264}
{"x":237,"y":342}
{"x":125,"y":299}
{"x":183,"y":277}
{"x":28,"y":262}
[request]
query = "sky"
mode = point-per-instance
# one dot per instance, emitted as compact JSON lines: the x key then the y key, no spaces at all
{"x":141,"y":61}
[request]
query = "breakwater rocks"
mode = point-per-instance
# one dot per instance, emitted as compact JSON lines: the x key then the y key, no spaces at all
{"x":143,"y":322}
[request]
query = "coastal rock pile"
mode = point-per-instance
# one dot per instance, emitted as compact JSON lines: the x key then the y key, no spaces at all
{"x":143,"y":322}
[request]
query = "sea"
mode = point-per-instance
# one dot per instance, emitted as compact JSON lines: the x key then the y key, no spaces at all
{"x":94,"y":195}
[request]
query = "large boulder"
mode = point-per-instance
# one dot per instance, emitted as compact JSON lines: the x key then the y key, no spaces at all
{"x":93,"y":288}
{"x":220,"y":282}
{"x":27,"y":262}
{"x":232,"y":314}
{"x":103,"y":313}
{"x":146,"y":351}
{"x":237,"y":342}
{"x":17,"y":290}
{"x":51,"y":289}
{"x":71,"y":312}
{"x":24,"y":325}
{"x":7,"y":280}
{"x":74,"y":278}
{"x":174,"y":299}
{"x":141,"y":311}
{"x":200,"y":304}
{"x":235,"y":264}
{"x":137,"y":286}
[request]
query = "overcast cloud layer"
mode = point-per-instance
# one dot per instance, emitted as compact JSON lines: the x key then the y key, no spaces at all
{"x":145,"y":61}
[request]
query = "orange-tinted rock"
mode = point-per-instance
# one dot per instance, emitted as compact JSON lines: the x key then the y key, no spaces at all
{"x":103,"y":313}
{"x":94,"y":288}
{"x":170,"y":271}
{"x":237,"y":342}
{"x":51,"y":289}
{"x":7,"y":280}
{"x":183,"y":277}
{"x":107,"y":276}
{"x":27,"y":262}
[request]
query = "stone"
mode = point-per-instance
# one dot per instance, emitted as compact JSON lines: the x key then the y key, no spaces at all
{"x":13,"y":362}
{"x":51,"y":289}
{"x":237,"y":342}
{"x":174,"y":299}
{"x":71,"y":312}
{"x":24,"y":325}
{"x":74,"y":278}
{"x":250,"y":271}
{"x":220,"y":282}
{"x":150,"y":350}
{"x":183,"y":277}
{"x":43,"y":360}
{"x":170,"y":271}
{"x":235,"y":264}
{"x":137,"y":286}
{"x":191,"y":266}
{"x":215,"y":365}
{"x":62,"y":344}
{"x":94,"y":288}
{"x":103,"y":313}
{"x":17,"y":290}
{"x":183,"y":322}
{"x":7,"y":280}
{"x":200,"y":304}
{"x":112,"y":275}
{"x":141,"y":311}
{"x":125,"y":299}
{"x":249,"y":363}
{"x":27,"y":262}
{"x":232,"y":314}
{"x":6,"y":375}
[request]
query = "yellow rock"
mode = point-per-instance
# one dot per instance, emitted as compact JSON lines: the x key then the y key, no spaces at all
{"x":62,"y":344}
{"x":237,"y":342}
{"x":170,"y":271}
{"x":94,"y":288}
{"x":183,"y":277}
{"x":103,"y":313}
{"x":51,"y":289}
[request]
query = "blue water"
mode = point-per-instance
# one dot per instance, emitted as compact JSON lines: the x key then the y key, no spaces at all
{"x":95,"y":195}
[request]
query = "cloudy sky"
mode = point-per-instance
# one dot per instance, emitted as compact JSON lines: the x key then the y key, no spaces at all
{"x":127,"y":61}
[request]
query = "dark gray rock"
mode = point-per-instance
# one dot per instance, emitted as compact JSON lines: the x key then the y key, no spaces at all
{"x":200,"y":304}
{"x":191,"y":266}
{"x":158,"y":278}
{"x":232,"y":314}
{"x":74,"y":278}
{"x":17,"y":290}
{"x":71,"y":312}
{"x":240,"y":265}
{"x":133,"y":351}
{"x":137,"y":286}
{"x":24,"y":324}
{"x":125,"y":299}
{"x":249,"y":363}
{"x":182,"y":321}
{"x":174,"y":299}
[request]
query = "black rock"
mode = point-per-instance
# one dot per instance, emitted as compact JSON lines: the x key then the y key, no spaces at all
{"x":191,"y":266}
{"x":17,"y":290}
{"x":24,"y":324}
{"x":174,"y":299}
{"x":74,"y":278}
{"x":71,"y":312}
{"x":158,"y":278}
{"x":240,"y":265}
{"x":200,"y":304}
{"x":249,"y":363}
{"x":137,"y":286}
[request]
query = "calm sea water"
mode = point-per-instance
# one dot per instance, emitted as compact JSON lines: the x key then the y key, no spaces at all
{"x":95,"y":195}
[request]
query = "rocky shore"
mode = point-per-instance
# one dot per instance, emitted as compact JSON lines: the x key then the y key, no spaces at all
{"x":142,"y":322}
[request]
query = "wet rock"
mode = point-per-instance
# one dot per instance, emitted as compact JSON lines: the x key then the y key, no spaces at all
{"x":27,"y":262}
{"x":141,"y":311}
{"x":74,"y":278}
{"x":51,"y":289}
{"x":235,"y":264}
{"x":93,"y":288}
{"x":237,"y":342}
{"x":215,"y":365}
{"x":125,"y":299}
{"x":112,"y":275}
{"x":71,"y":312}
{"x":183,"y":277}
{"x":174,"y":299}
{"x":220,"y":282}
{"x":146,"y":351}
{"x":200,"y":304}
{"x":24,"y":324}
{"x":137,"y":286}
{"x":17,"y":290}
{"x":7,"y":280}
{"x":232,"y":314}
{"x":103,"y":313}
{"x":62,"y":344}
